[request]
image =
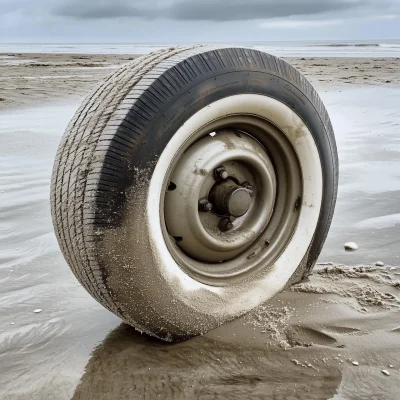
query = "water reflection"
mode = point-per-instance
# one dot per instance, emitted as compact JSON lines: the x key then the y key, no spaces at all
{"x":130,"y":365}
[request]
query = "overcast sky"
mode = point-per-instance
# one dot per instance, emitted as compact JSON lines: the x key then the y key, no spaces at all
{"x":174,"y":21}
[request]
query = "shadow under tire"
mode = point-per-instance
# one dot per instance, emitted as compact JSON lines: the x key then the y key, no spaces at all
{"x":194,"y":184}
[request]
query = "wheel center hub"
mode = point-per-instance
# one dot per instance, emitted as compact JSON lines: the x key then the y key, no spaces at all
{"x":228,"y":198}
{"x":220,"y":196}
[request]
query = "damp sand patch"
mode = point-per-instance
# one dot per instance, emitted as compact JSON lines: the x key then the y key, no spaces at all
{"x":273,"y":322}
{"x":369,"y":286}
{"x":334,"y":303}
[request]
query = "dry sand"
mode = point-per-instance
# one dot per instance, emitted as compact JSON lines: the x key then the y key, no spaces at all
{"x":329,"y":337}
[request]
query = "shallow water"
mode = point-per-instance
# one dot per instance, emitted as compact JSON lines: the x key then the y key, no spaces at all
{"x":76,"y":348}
{"x":37,"y":350}
{"x":366,"y":123}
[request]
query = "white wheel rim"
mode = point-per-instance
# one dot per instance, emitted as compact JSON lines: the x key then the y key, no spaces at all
{"x":244,"y":295}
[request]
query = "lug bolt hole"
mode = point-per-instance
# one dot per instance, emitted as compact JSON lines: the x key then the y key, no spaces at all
{"x":171,"y":186}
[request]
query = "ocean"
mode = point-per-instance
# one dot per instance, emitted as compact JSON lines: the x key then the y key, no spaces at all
{"x":372,"y":48}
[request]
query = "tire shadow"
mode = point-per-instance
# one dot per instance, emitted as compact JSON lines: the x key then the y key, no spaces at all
{"x":128,"y":365}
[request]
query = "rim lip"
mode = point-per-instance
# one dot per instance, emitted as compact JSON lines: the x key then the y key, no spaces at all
{"x":269,"y":280}
{"x":204,"y":242}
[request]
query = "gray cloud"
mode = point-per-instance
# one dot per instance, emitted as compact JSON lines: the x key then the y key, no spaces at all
{"x":98,"y":10}
{"x":211,"y":10}
{"x":222,"y":10}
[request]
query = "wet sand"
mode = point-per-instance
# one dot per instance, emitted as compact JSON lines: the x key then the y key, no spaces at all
{"x":301,"y":345}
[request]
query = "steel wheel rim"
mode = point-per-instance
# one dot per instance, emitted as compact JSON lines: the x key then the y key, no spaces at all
{"x":278,"y":221}
{"x":220,"y":197}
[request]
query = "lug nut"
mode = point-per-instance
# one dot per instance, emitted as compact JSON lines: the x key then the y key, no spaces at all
{"x":221,"y":173}
{"x":247,"y":186}
{"x":225,"y":224}
{"x":205,"y":205}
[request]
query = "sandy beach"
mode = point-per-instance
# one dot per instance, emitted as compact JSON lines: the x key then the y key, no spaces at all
{"x":329,"y":337}
{"x":36,"y":79}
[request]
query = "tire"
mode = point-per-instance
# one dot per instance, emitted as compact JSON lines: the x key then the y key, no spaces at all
{"x":158,"y":141}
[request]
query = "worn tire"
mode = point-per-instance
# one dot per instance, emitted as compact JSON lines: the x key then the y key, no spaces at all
{"x":103,"y":184}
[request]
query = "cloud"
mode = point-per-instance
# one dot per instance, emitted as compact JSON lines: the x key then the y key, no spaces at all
{"x":199,"y":10}
{"x":299,"y":23}
{"x":293,"y":23}
{"x":222,"y":10}
{"x":210,"y":10}
{"x":101,"y":9}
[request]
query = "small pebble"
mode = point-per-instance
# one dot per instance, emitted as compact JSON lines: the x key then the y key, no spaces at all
{"x":38,"y":310}
{"x":12,"y":323}
{"x":393,"y":268}
{"x":390,"y":366}
{"x":379,"y":264}
{"x":355,"y":363}
{"x":350,"y":246}
{"x":386,"y":372}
